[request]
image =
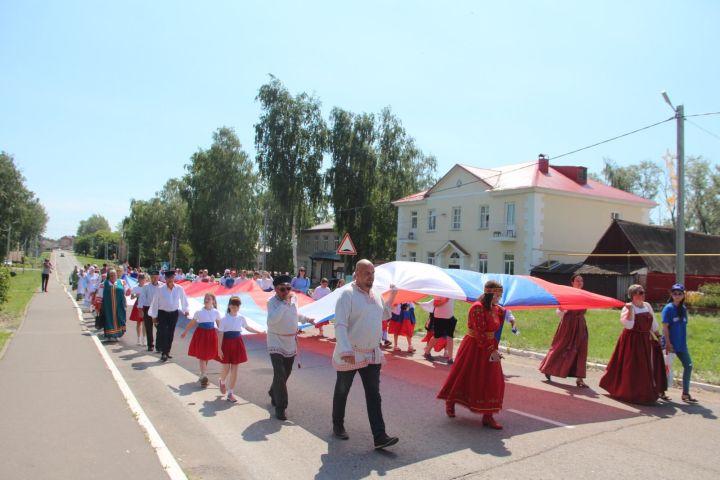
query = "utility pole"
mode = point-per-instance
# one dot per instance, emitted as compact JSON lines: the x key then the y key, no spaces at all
{"x":7,"y":252}
{"x":265,"y":225}
{"x":680,"y":224}
{"x":172,"y":251}
{"x":139,"y":254}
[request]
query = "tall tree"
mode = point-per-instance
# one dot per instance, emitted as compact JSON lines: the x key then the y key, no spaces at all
{"x":92,"y":224}
{"x":223,"y":218}
{"x":373,"y":163}
{"x":290,"y":140}
{"x":22,"y":217}
{"x":702,"y":190}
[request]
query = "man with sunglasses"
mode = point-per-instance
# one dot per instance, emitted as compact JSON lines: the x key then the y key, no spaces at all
{"x":282,"y":327}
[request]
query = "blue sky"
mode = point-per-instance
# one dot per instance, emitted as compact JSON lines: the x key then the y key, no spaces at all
{"x":104,"y":101}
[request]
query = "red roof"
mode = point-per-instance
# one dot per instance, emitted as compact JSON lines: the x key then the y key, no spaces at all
{"x":528,"y":175}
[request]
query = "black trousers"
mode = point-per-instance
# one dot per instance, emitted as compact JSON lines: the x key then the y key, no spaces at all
{"x":282,"y":368}
{"x":147,"y":320}
{"x":166,"y":330}
{"x":370,"y":376}
{"x":44,"y":281}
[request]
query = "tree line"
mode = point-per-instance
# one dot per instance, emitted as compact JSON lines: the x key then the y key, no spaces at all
{"x":22,"y":217}
{"x":650,"y":180}
{"x":228,"y":206}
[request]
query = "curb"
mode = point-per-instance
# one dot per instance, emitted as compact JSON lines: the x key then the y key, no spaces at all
{"x":167,"y":459}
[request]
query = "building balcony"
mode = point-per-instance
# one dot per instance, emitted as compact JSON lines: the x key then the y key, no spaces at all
{"x":409,"y":236}
{"x":503,"y":233}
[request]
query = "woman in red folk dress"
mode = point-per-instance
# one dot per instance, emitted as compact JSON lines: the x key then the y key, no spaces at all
{"x":476,"y":379}
{"x":567,"y":356}
{"x":636,"y":370}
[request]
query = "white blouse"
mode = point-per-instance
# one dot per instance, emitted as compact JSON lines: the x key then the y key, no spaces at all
{"x":207,"y":316}
{"x":230,"y":323}
{"x":628,"y":319}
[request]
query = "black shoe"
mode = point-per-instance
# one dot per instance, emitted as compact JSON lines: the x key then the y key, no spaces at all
{"x":163,"y":358}
{"x":272,"y":399}
{"x":168,"y":355}
{"x":383,"y":441}
{"x":339,"y":432}
{"x":280,"y":414}
{"x":428,"y":357}
{"x":548,"y":377}
{"x":151,"y":349}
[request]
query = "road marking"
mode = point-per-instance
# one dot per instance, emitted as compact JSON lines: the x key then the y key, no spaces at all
{"x":542,"y":419}
{"x":167,"y":460}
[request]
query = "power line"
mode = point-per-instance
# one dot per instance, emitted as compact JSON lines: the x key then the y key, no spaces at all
{"x":704,"y":130}
{"x":614,"y":138}
{"x":702,"y":114}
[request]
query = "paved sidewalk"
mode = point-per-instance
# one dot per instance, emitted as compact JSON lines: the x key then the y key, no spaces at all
{"x":61,"y":413}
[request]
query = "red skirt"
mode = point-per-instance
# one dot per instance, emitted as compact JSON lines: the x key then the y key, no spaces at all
{"x":439,"y":345}
{"x":233,"y":350}
{"x":636,"y":370}
{"x":136,"y":314}
{"x":474,"y":381}
{"x":405,"y":327}
{"x":384,"y":325}
{"x":204,"y":344}
{"x":567,"y":356}
{"x":97,"y":303}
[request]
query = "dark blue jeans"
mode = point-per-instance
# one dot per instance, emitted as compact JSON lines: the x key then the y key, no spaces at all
{"x":686,"y":361}
{"x":370,"y":376}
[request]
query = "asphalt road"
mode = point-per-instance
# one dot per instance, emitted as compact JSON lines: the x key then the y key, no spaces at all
{"x":551,"y":430}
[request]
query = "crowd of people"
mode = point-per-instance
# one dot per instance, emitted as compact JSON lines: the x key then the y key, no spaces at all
{"x":636,"y":372}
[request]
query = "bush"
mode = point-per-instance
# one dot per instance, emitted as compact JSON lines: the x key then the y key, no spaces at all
{"x":4,"y":284}
{"x":711,"y":289}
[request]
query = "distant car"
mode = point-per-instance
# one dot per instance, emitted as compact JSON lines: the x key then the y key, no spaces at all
{"x":7,"y":263}
{"x":62,"y":254}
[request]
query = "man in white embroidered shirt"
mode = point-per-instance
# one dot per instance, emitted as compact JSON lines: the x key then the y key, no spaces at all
{"x":358,"y":329}
{"x":282,"y":327}
{"x":164,"y":312}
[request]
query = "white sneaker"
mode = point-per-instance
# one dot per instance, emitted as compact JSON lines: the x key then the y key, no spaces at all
{"x":143,"y":341}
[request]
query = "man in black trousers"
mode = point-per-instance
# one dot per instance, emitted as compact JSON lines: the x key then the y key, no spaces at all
{"x":164,"y":312}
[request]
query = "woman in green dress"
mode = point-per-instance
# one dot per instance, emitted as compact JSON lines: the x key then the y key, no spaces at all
{"x":113,"y":306}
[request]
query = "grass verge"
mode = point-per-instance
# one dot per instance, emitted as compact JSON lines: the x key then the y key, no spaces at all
{"x":537,"y":328}
{"x":22,"y":288}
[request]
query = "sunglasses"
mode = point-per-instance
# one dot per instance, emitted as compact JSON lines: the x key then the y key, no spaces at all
{"x":284,"y":289}
{"x":677,"y":292}
{"x":641,"y":292}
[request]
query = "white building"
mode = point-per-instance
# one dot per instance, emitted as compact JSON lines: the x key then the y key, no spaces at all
{"x":511,"y":218}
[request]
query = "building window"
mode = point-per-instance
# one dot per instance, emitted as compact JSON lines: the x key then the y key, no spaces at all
{"x":484,"y":217}
{"x":431,"y":258}
{"x":326,"y":242}
{"x":483,"y":262}
{"x":337,"y":243}
{"x":412,"y":256}
{"x":509,"y":260}
{"x":456,"y":213}
{"x":431,"y":220}
{"x":413,"y":219}
{"x":510,"y":214}
{"x":317,"y":243}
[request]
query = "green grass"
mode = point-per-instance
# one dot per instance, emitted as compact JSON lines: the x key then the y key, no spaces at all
{"x":22,"y":288}
{"x":83,"y":260}
{"x":537,"y":328}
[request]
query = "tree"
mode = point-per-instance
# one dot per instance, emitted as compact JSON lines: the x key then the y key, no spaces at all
{"x":702,"y":191}
{"x":23,"y":218}
{"x":290,"y":140}
{"x":223,"y":218}
{"x":373,"y":163}
{"x":92,"y":224}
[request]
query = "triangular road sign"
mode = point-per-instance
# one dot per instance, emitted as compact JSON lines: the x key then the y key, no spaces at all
{"x":346,"y":246}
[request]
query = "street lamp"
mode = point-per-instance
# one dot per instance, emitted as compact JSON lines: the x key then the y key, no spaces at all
{"x":680,"y":224}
